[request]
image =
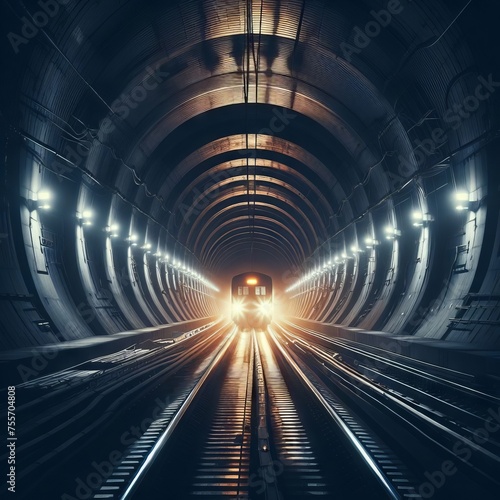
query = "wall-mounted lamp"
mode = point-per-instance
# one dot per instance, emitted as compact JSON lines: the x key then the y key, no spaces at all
{"x":43,"y":200}
{"x":112,"y":230}
{"x":132,"y":238}
{"x":371,"y":242}
{"x":86,"y":217}
{"x":40,"y":201}
{"x":391,"y":232}
{"x":420,"y":219}
{"x":463,"y":202}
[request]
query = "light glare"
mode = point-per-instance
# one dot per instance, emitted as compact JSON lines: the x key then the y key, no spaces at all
{"x":44,"y":195}
{"x":462,"y":196}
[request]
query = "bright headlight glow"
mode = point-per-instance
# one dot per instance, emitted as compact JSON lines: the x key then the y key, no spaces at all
{"x":238,"y":309}
{"x":265,"y":308}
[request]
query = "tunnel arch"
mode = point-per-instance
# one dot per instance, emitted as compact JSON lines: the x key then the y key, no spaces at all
{"x":153,"y":118}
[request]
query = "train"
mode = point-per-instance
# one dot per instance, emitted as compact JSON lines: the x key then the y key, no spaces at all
{"x":252,"y":300}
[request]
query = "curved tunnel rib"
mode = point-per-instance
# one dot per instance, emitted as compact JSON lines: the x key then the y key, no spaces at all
{"x":311,"y":148}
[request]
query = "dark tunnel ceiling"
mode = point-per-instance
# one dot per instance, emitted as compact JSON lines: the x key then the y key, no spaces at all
{"x":265,"y":181}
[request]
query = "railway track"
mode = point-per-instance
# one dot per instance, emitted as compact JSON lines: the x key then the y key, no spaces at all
{"x":207,"y":452}
{"x":431,"y":439}
{"x":307,"y":468}
{"x":65,"y":424}
{"x":442,"y":393}
{"x":248,"y":415}
{"x":251,"y":431}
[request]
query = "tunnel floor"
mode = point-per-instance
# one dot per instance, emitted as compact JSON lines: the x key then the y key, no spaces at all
{"x":285,"y":412}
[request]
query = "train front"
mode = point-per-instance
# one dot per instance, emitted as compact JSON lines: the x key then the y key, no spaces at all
{"x":252,"y":300}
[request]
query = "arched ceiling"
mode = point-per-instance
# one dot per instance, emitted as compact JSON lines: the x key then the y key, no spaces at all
{"x":252,"y":131}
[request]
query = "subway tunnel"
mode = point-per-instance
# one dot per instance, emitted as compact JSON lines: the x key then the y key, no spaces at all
{"x":153,"y":150}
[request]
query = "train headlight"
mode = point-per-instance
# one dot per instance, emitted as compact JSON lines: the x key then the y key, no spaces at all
{"x":238,"y":309}
{"x":265,"y":308}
